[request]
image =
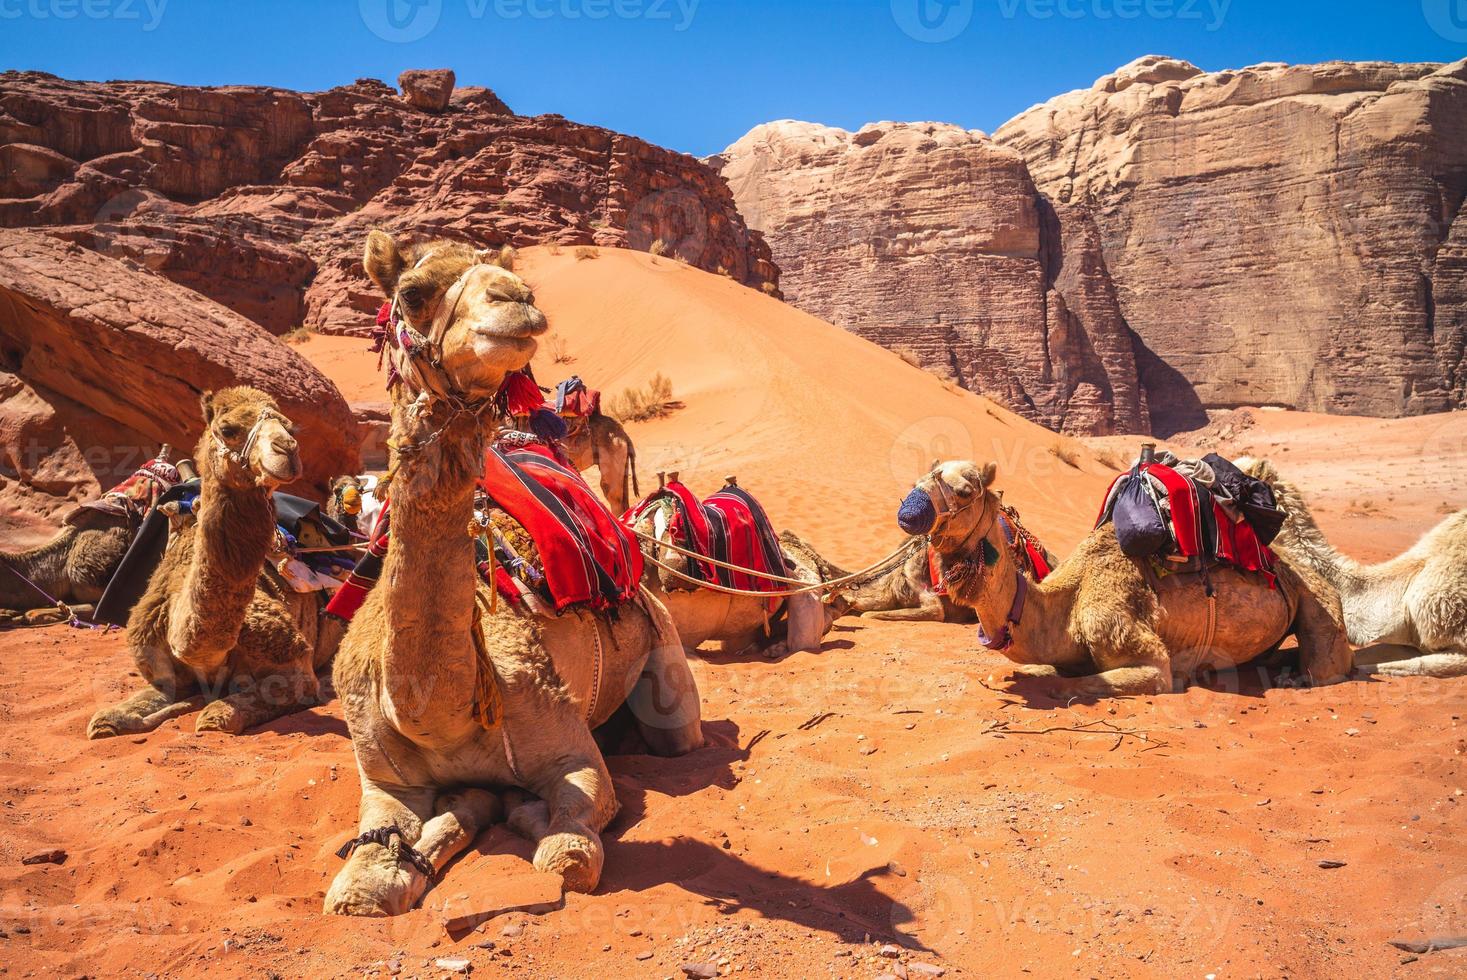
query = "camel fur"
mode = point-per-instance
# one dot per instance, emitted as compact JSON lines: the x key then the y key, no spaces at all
{"x":74,"y":566}
{"x":904,"y":592}
{"x":413,"y":690}
{"x":1105,"y":625}
{"x":211,"y":631}
{"x":740,"y":625}
{"x":1410,"y":613}
{"x":602,"y":442}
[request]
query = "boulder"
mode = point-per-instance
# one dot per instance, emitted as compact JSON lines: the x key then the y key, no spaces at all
{"x":428,"y":89}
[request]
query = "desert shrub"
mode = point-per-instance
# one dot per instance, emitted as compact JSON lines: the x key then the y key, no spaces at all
{"x":652,"y":400}
{"x":299,"y":335}
{"x":559,"y":353}
{"x":659,"y":247}
{"x":769,"y":288}
{"x":553,"y":248}
{"x":1066,"y":453}
{"x":584,"y":252}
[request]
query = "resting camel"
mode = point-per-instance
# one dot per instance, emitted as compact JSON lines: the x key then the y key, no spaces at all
{"x":600,"y":441}
{"x":904,"y":592}
{"x":1103,"y":624}
{"x":211,"y":631}
{"x":74,"y":566}
{"x":739,"y":624}
{"x":447,"y":694}
{"x":1411,"y":611}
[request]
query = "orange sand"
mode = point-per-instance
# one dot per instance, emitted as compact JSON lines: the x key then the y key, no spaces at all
{"x":863,"y":795}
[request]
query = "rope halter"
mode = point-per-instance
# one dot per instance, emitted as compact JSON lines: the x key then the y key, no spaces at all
{"x":417,"y":359}
{"x":241,"y":456}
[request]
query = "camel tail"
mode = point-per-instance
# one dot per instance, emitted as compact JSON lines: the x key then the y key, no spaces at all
{"x":632,"y":471}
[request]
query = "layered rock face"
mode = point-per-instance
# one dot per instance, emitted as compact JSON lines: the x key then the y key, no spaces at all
{"x":933,"y":240}
{"x":1277,"y":235}
{"x":260,"y":197}
{"x":102,"y":361}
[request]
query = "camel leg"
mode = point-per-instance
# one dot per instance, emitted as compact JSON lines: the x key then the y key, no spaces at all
{"x":1391,"y":660}
{"x":143,"y":712}
{"x":1324,"y":651}
{"x":263,"y":701}
{"x":1144,"y":667}
{"x":576,"y":804}
{"x":930,"y":611}
{"x":613,"y":482}
{"x":665,"y":702}
{"x":374,"y":881}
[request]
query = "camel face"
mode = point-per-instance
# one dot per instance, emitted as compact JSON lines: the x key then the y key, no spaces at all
{"x":480,"y":314}
{"x":950,"y":503}
{"x":247,"y":441}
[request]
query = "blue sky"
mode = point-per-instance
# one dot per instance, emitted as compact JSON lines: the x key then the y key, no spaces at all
{"x":696,"y":74}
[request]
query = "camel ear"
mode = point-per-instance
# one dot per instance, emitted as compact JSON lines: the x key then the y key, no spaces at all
{"x":504,"y":258}
{"x":206,"y":404}
{"x":383,"y":261}
{"x":989,"y":474}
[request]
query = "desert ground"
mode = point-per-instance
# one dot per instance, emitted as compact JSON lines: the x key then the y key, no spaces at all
{"x":895,"y":805}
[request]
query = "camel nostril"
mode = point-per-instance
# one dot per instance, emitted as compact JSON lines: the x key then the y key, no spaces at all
{"x":916,"y":514}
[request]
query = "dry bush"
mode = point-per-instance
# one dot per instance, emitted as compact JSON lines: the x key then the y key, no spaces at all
{"x":659,"y":247}
{"x":652,"y":400}
{"x":553,"y":248}
{"x":1114,"y":459}
{"x":769,"y":288}
{"x":908,"y":355}
{"x":584,"y":252}
{"x":1446,"y":508}
{"x":1363,"y":508}
{"x":1066,"y":453}
{"x":299,"y":335}
{"x":558,"y":351}
{"x":723,"y":271}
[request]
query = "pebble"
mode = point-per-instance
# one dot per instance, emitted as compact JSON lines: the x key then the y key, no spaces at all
{"x":700,"y":971}
{"x":890,"y":952}
{"x":645,"y":955}
{"x":1328,"y":864}
{"x":512,"y":930}
{"x":925,"y":969}
{"x":54,"y":855}
{"x":454,"y":965}
{"x":896,"y":869}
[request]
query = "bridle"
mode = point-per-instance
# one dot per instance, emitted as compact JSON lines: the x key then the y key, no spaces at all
{"x":241,"y":456}
{"x":1012,"y":536}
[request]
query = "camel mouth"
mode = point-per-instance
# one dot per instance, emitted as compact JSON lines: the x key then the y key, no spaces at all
{"x":280,"y":470}
{"x":917,"y":515}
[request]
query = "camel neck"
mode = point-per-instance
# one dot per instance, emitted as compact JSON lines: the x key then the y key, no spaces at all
{"x":1307,"y":542}
{"x":429,"y":580}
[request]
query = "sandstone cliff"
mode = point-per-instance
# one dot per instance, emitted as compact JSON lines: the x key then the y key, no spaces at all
{"x":1278,"y":235}
{"x":259,"y":197}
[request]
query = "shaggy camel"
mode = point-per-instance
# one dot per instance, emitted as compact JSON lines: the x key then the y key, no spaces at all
{"x":904,"y":592}
{"x":74,"y":566}
{"x":211,"y":629}
{"x":739,"y":624}
{"x":446,"y":693}
{"x":1103,"y":624}
{"x":600,"y":441}
{"x":1411,"y":611}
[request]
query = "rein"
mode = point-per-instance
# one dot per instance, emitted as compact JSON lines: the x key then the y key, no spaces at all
{"x":804,"y":587}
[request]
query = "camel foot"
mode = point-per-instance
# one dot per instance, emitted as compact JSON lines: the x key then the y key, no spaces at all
{"x":118,"y":720}
{"x":577,"y":858}
{"x":221,"y":716}
{"x":374,"y":884}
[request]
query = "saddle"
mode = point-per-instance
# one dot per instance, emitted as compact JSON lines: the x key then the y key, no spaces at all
{"x":729,"y":526}
{"x":1191,"y":515}
{"x":573,"y":400}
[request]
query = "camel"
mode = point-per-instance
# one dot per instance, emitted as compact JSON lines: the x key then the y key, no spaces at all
{"x":212,"y":631}
{"x":601,"y":441}
{"x":904,"y":592}
{"x":740,"y":625}
{"x":74,"y":567}
{"x":344,"y":502}
{"x":1105,"y":625}
{"x":445,"y":691}
{"x":1410,"y":612}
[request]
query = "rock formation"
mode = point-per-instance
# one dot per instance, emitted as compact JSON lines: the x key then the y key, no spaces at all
{"x":259,"y":197}
{"x":932,"y":240}
{"x":102,"y":360}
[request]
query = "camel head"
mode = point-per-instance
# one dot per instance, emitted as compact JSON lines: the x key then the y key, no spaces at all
{"x":346,"y":498}
{"x":247,"y":442}
{"x":952,"y":503}
{"x":476,"y":319}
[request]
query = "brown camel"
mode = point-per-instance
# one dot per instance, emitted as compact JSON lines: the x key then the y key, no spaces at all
{"x":437,"y":717}
{"x":211,"y":629}
{"x":344,"y":502}
{"x":74,"y":567}
{"x":601,"y":441}
{"x":904,"y":592}
{"x":738,"y":624}
{"x":1410,"y":613}
{"x":1105,"y":625}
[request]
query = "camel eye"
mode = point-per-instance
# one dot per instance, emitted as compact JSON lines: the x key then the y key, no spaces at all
{"x":229,"y":430}
{"x":965,"y":491}
{"x":411,"y":297}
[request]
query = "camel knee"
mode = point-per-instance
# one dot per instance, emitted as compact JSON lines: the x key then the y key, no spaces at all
{"x":577,"y":857}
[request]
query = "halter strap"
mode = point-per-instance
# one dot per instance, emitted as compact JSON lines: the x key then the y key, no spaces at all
{"x":242,"y":455}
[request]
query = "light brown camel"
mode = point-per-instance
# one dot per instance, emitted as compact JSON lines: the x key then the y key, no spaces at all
{"x":74,"y":567}
{"x":904,"y":592}
{"x":1105,"y":625}
{"x":436,"y":719}
{"x":211,"y":630}
{"x":1410,"y":612}
{"x":601,"y":441}
{"x":738,"y":624}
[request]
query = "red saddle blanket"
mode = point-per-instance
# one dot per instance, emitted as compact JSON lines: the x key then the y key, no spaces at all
{"x":587,"y":557}
{"x":1202,"y":527}
{"x":729,"y":526}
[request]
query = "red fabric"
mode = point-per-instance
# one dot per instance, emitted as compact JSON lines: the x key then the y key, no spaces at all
{"x":1037,"y":559}
{"x":745,"y":539}
{"x":588,"y":556}
{"x":693,"y":530}
{"x":934,"y":572}
{"x":353,"y":592}
{"x":522,"y":394}
{"x":1186,"y":510}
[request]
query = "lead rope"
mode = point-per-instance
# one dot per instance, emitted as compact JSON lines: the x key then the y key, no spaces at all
{"x":898,"y":554}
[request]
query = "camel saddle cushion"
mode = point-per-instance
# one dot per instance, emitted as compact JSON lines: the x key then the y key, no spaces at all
{"x":729,"y":526}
